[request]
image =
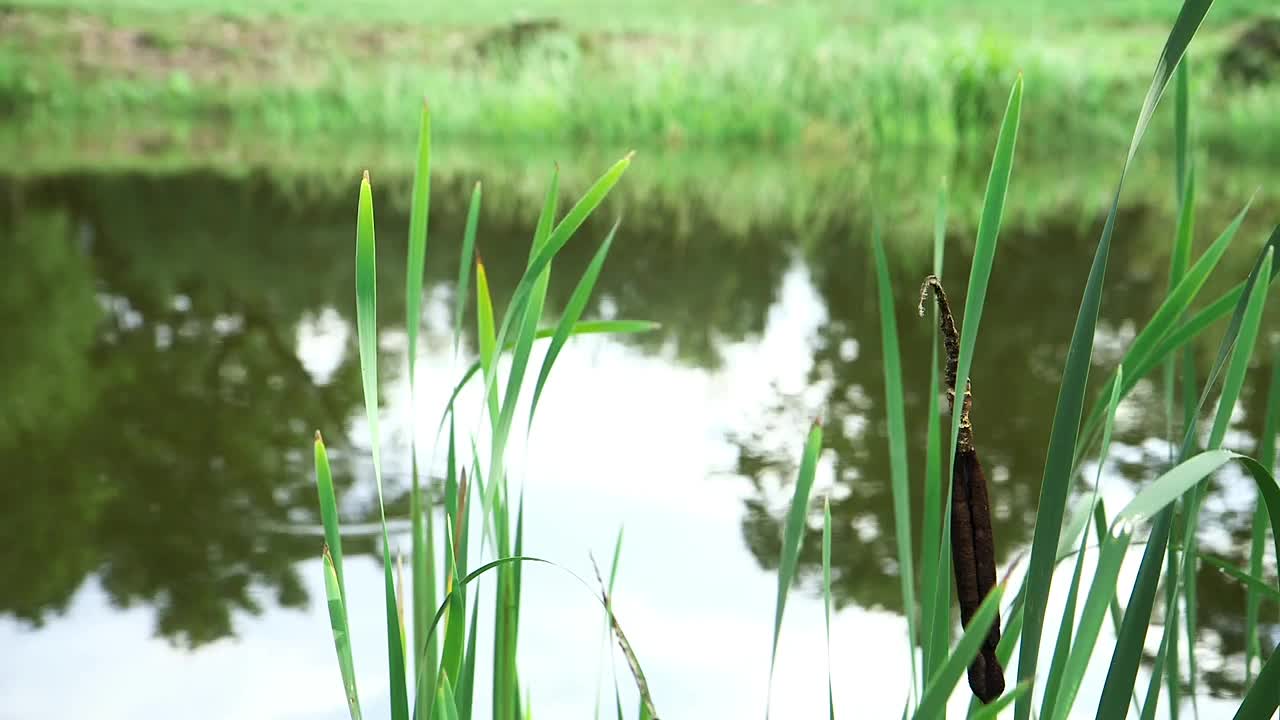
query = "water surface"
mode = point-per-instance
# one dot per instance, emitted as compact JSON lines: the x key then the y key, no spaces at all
{"x":174,"y":339}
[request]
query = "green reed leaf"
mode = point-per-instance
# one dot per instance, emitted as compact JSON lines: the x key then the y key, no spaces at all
{"x":419,"y":210}
{"x":423,"y":580}
{"x":1067,"y":415}
{"x":487,"y":341}
{"x":1263,"y":697}
{"x":793,"y":535}
{"x":341,"y":633}
{"x":1102,"y":591}
{"x":935,"y":582}
{"x":826,"y":599}
{"x":899,"y":478}
{"x":1254,"y":582}
{"x":1258,"y":535}
{"x":464,"y":264}
{"x":367,"y":330}
{"x":329,"y":510}
{"x":1062,"y":649}
{"x":572,"y":312}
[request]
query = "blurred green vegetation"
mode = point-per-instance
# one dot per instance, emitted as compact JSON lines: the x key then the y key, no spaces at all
{"x":820,"y":75}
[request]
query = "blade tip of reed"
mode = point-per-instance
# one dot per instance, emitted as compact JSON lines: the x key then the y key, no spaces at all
{"x":319,"y":439}
{"x":365,"y":178}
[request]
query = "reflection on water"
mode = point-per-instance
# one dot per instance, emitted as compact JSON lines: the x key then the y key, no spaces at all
{"x":159,"y":398}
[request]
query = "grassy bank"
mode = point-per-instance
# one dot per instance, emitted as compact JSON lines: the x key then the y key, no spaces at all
{"x":816,"y":75}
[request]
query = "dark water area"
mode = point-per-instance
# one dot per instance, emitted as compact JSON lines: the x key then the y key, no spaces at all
{"x":160,"y":384}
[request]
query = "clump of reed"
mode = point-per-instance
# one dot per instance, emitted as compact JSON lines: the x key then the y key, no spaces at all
{"x":1169,"y":502}
{"x":953,"y":541}
{"x":431,"y":645}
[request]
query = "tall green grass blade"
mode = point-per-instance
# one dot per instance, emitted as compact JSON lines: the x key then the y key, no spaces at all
{"x":940,"y":686}
{"x":517,"y":575}
{"x":1232,"y":335}
{"x":1067,"y":415}
{"x":1254,"y":582}
{"x":895,"y":410}
{"x":456,"y":620}
{"x":486,"y":340}
{"x":1263,"y":697}
{"x":418,"y":214}
{"x":1258,"y":536}
{"x":1169,"y":641}
{"x":467,"y":682}
{"x":1154,"y":498}
{"x":1100,"y":526}
{"x":555,"y":242}
{"x":464,"y":264}
{"x":524,"y":294}
{"x":1180,"y":259}
{"x":1062,"y":649}
{"x":419,"y":210}
{"x":792,"y":536}
{"x":366,"y":316}
{"x":1145,"y":350}
{"x":1269,"y":491}
{"x":341,"y":633}
{"x":546,"y":218}
{"x":1181,"y":128}
{"x":1151,"y":702}
{"x":1132,"y":632}
{"x":826,"y":599}
{"x":617,"y":561}
{"x":613,"y":576}
{"x":936,"y":610}
{"x":647,"y":709}
{"x":1233,"y":383}
{"x":1151,"y":501}
{"x":329,"y":511}
{"x":423,"y":576}
{"x":367,"y":330}
{"x":1190,"y":329}
{"x":528,"y":329}
{"x":445,"y":706}
{"x":1102,"y":591}
{"x":572,"y":312}
{"x":1185,"y":188}
{"x":1160,"y":493}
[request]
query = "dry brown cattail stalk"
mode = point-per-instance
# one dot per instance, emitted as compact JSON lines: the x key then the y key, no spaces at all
{"x":972,"y":545}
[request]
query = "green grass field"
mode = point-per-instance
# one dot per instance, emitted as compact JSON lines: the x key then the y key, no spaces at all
{"x":823,"y":74}
{"x":663,"y":13}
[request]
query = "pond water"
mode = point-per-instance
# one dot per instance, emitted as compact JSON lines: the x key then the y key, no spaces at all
{"x":173,"y":340}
